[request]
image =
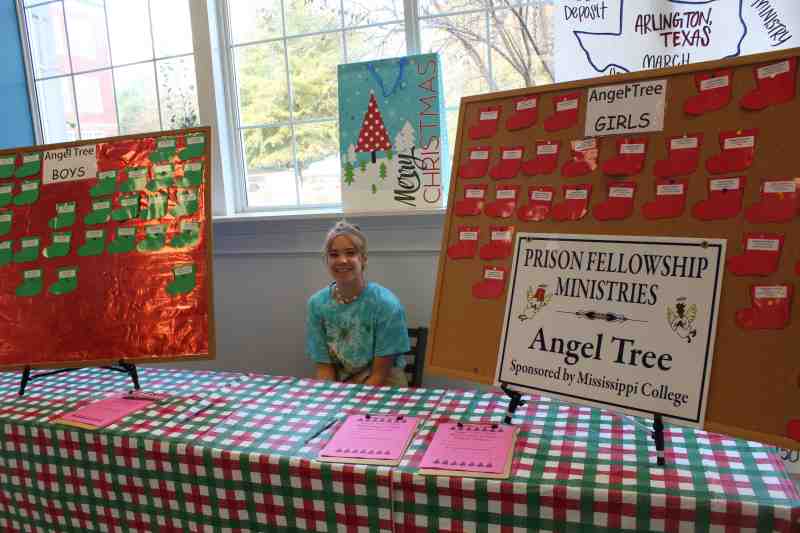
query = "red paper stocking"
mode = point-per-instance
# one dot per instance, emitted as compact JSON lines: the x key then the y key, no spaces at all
{"x":793,"y":429}
{"x":724,"y":199}
{"x":779,"y":202}
{"x":472,"y":203}
{"x":566,"y":112}
{"x":738,"y":150}
{"x":540,"y":200}
{"x":584,"y":158}
{"x":492,"y":284}
{"x":619,"y":204}
{"x":762,"y":252}
{"x":575,"y":204}
{"x":770,"y":308}
{"x":545,"y":161}
{"x":477,"y":165}
{"x":488,"y":118}
{"x":629,"y":161}
{"x":714,"y":92}
{"x":775,"y":85}
{"x":500,"y":243}
{"x":683,"y":154}
{"x":525,"y":113}
{"x":467,"y":243}
{"x":505,"y":202}
{"x":510,"y":161}
{"x":670,"y":200}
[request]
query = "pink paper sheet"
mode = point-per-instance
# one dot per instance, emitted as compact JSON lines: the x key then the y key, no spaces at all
{"x":106,"y":411}
{"x":371,"y":437}
{"x":469,"y":447}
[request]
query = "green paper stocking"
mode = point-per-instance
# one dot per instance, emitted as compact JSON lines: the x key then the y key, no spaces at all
{"x":124,"y":242}
{"x":137,"y":180}
{"x":165,"y":149}
{"x":6,"y":194}
{"x":31,"y":283}
{"x":67,"y":281}
{"x":93,"y":244}
{"x":160,"y":183}
{"x":129,"y":208}
{"x":189,"y":235}
{"x":5,"y":253}
{"x":184,"y":281}
{"x":31,"y":165}
{"x":187,"y":203}
{"x":192,"y":175}
{"x":100,"y":214}
{"x":6,"y":217}
{"x":156,"y":207}
{"x":28,"y":250}
{"x":104,"y":187}
{"x":152,"y":243}
{"x":65,"y":216}
{"x":60,"y":246}
{"x":29,"y":193}
{"x":195,"y":146}
{"x":7,"y":167}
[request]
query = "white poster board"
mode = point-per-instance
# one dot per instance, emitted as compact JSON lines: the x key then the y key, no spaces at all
{"x":626,"y":108}
{"x":621,"y":322}
{"x":597,"y":37}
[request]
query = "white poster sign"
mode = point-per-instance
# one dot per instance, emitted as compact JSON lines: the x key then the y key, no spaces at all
{"x":69,"y":164}
{"x":626,"y":108}
{"x":621,"y":322}
{"x":597,"y":37}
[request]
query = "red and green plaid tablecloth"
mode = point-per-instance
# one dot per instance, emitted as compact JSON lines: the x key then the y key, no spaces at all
{"x":245,"y":462}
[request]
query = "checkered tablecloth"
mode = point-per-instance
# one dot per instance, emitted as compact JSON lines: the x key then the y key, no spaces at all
{"x":236,"y":452}
{"x":585,"y":469}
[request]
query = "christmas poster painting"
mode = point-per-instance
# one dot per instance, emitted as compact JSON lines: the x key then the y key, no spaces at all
{"x":393,"y":135}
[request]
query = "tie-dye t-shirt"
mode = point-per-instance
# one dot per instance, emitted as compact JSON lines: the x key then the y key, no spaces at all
{"x":350,"y":335}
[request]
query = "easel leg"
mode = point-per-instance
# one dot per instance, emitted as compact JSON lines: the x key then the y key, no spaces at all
{"x":658,"y":435}
{"x":128,"y":368}
{"x":516,"y":401}
{"x":26,"y":376}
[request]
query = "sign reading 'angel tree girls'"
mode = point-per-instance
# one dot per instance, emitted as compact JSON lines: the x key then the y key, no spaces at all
{"x":393,"y":134}
{"x":614,"y":321}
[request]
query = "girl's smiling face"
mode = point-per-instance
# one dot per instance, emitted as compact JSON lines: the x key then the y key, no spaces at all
{"x":345,"y":261}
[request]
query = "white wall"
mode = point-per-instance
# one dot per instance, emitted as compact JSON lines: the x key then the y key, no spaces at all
{"x":265,"y":270}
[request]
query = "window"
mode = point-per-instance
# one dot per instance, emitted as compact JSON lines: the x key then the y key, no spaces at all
{"x":113,"y":67}
{"x":109,"y":67}
{"x":284,"y":54}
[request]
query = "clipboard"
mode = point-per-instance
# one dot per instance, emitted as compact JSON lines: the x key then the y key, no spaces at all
{"x":454,"y":470}
{"x":370,"y":431}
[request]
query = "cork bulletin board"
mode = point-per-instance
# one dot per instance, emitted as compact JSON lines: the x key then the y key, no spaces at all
{"x":105,"y":251}
{"x":722,"y":165}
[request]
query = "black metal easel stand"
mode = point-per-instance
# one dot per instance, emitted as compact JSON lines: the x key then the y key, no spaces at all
{"x":514,"y":402}
{"x":121,"y":366}
{"x":658,"y":436}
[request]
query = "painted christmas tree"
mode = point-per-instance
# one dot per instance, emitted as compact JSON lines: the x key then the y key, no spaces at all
{"x":373,"y":135}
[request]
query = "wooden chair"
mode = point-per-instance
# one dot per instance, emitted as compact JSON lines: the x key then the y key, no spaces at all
{"x":413,"y":369}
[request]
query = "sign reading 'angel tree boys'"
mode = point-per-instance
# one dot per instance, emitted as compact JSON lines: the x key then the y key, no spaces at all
{"x":614,"y":321}
{"x":392,"y":134}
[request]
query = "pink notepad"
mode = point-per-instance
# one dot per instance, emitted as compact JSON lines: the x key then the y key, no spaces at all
{"x":470,"y":449}
{"x":379,"y":439}
{"x":103,"y":412}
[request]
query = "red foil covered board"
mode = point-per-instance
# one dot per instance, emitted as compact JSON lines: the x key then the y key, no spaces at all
{"x":126,"y":273}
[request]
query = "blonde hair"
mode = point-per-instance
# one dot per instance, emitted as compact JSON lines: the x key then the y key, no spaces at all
{"x":352,"y":231}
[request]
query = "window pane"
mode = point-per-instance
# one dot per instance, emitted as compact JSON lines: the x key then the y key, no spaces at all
{"x":29,"y":3}
{"x":312,"y":64}
{"x":361,"y":12}
{"x":270,"y":170}
{"x":253,"y":20}
{"x":96,"y":107}
{"x":129,"y":31}
{"x":318,"y":162}
{"x":433,"y":7}
{"x":306,"y":16}
{"x":136,"y":98}
{"x":88,"y":40}
{"x":48,"y":40}
{"x":177,"y":92}
{"x":57,"y":109}
{"x":515,"y":61}
{"x":461,"y":43}
{"x":376,"y":43}
{"x":263,"y":90}
{"x":172,"y":27}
